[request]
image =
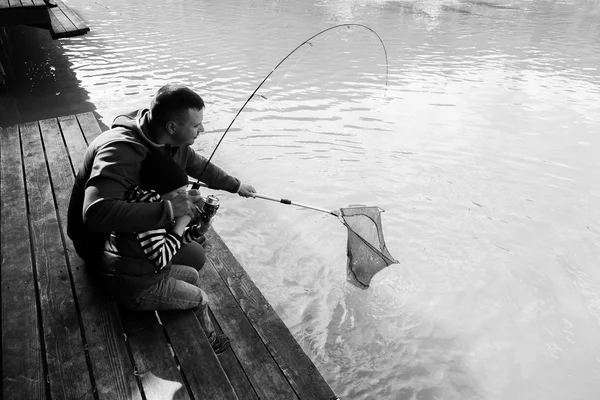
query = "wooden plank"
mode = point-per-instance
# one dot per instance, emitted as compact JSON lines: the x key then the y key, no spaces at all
{"x":259,"y":366}
{"x":241,"y":385}
{"x":56,"y":27}
{"x":4,"y":4}
{"x":59,"y":13}
{"x":153,"y":358}
{"x":74,"y":140}
{"x":75,"y":19}
{"x":14,"y":3}
{"x":295,"y":364}
{"x":22,"y":363}
{"x":64,"y":22}
{"x":199,"y":364}
{"x":67,"y":367}
{"x":89,"y":125}
{"x":112,"y":370}
{"x":39,"y":3}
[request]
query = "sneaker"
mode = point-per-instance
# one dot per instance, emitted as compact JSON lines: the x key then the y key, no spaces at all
{"x":220,"y":344}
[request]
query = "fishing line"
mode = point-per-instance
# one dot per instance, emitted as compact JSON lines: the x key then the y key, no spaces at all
{"x":195,"y":186}
{"x":112,"y":9}
{"x":294,"y":66}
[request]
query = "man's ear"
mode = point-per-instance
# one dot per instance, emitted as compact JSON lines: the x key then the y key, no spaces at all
{"x":170,"y":127}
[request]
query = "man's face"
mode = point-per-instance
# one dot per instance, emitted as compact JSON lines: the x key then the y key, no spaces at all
{"x":188,"y":127}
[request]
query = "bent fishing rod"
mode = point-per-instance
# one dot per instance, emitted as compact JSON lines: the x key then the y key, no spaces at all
{"x":277,"y":66}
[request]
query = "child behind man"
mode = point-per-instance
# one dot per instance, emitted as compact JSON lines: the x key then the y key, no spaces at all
{"x":137,"y":266}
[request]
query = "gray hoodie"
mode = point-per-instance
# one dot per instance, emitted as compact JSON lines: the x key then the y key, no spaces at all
{"x":111,"y":165}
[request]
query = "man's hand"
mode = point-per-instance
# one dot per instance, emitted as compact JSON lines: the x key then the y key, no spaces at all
{"x":181,"y":205}
{"x":246,"y":190}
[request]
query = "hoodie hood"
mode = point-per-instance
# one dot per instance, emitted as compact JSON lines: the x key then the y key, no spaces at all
{"x":137,"y":122}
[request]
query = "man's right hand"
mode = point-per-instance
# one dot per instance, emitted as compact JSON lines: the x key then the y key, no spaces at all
{"x":181,"y":205}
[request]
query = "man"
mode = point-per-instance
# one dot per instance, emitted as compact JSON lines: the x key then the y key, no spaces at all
{"x":111,"y":166}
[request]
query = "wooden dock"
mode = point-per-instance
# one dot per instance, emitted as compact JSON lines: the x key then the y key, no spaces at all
{"x":62,"y":339}
{"x":61,"y":20}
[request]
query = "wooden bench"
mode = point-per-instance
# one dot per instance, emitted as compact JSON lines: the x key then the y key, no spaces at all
{"x":62,"y":339}
{"x":61,"y":21}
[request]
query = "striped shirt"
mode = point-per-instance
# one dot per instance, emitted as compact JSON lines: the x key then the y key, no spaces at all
{"x":159,"y":245}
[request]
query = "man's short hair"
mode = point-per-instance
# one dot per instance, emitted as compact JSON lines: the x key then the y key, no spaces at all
{"x":171,"y":101}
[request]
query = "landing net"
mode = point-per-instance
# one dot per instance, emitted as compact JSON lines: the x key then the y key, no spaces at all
{"x":367,"y":252}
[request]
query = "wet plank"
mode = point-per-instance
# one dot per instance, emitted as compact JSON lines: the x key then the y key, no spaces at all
{"x":153,"y":357}
{"x":74,"y":19}
{"x":22,"y":362}
{"x":200,"y":365}
{"x":257,"y":363}
{"x":67,"y":367}
{"x":231,"y":365}
{"x":57,"y":29}
{"x":299,"y":370}
{"x":111,"y":367}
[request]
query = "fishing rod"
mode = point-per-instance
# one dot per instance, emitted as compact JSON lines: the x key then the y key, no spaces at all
{"x":277,"y":66}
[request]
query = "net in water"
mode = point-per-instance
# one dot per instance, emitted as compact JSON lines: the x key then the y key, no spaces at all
{"x":367,"y":252}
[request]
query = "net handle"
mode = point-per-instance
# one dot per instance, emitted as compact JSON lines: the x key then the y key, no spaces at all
{"x":290,"y":202}
{"x":279,"y":200}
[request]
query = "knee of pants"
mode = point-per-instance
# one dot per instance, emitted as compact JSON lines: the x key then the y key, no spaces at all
{"x":191,"y":254}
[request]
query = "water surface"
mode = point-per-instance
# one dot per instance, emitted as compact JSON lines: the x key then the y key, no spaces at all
{"x":482,"y":149}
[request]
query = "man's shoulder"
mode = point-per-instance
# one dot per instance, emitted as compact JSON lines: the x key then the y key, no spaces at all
{"x":116,"y":136}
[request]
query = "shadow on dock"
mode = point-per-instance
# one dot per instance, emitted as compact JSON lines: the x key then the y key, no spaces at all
{"x":41,"y":82}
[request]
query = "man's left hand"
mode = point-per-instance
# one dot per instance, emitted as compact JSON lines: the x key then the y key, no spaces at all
{"x":246,"y":190}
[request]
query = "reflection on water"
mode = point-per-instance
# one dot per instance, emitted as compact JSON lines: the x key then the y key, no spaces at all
{"x":482,"y":151}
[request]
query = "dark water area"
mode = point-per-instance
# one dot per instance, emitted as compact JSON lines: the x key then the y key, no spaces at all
{"x":41,"y":82}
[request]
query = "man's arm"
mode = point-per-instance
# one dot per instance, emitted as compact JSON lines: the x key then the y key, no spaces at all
{"x":115,"y":169}
{"x":214,"y":176}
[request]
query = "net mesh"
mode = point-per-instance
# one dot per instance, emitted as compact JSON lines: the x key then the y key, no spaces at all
{"x":367,"y":252}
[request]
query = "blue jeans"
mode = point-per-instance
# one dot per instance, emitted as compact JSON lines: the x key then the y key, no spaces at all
{"x":180,"y":290}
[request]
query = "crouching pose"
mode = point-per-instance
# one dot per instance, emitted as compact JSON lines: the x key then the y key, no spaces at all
{"x":137,"y":267}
